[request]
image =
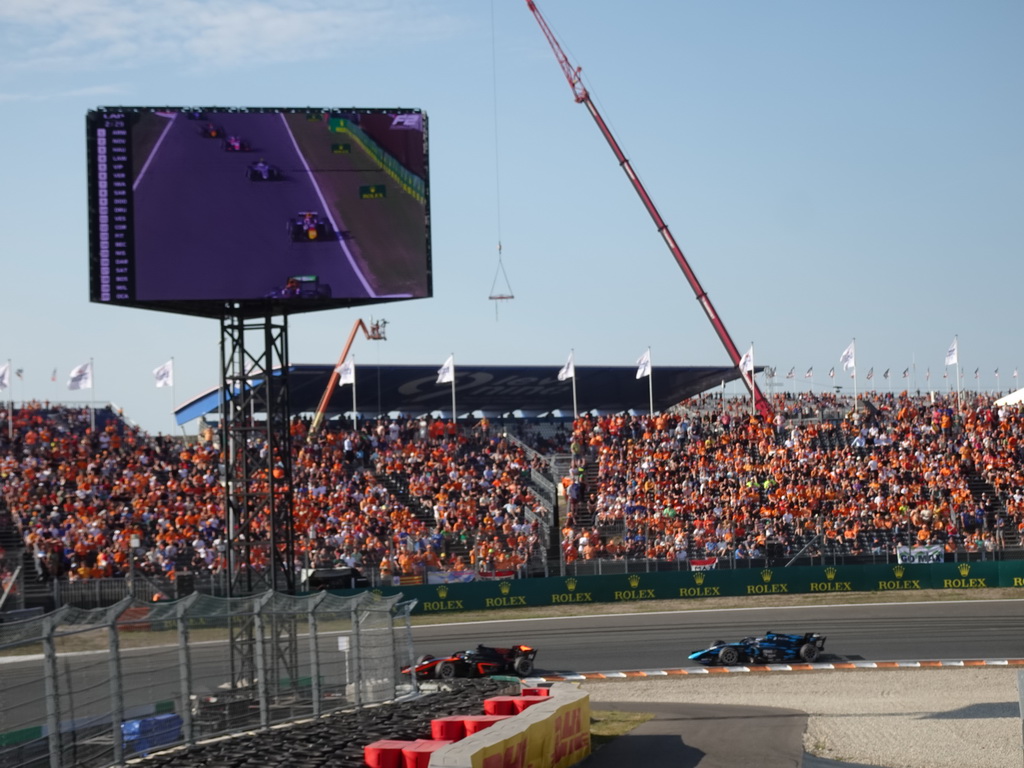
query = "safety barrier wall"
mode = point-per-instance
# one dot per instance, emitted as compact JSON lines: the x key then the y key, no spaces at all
{"x":691,"y":585}
{"x":550,"y":734}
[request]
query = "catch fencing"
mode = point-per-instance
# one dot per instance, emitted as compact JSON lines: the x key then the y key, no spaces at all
{"x":101,"y":686}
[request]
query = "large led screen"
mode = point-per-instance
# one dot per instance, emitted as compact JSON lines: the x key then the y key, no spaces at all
{"x":255,"y":211}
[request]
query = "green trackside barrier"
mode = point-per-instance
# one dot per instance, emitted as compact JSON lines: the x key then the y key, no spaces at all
{"x":13,"y":738}
{"x":407,"y":180}
{"x":694,"y":585}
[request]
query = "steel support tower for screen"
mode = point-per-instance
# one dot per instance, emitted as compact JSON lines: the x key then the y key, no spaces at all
{"x":257,"y":459}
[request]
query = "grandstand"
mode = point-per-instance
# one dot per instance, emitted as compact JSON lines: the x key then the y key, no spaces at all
{"x":93,"y":507}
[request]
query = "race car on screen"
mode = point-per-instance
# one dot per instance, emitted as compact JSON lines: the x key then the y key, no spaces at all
{"x":771,"y":648}
{"x":211,"y":131}
{"x":236,"y":144}
{"x":261,"y":170}
{"x":478,"y":662}
{"x":308,"y":225}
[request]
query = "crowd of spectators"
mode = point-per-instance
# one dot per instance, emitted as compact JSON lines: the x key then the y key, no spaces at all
{"x":92,"y":496}
{"x":716,"y":481}
{"x":96,"y":497}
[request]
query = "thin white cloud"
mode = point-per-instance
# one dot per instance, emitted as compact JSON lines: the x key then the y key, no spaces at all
{"x":61,"y":35}
{"x":74,"y":93}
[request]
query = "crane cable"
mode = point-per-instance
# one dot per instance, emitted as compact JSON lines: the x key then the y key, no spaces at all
{"x":506,"y":294}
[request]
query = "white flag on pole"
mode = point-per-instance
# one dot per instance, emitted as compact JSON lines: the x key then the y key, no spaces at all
{"x":81,"y":377}
{"x":871,"y":373}
{"x":951,"y":353}
{"x":848,"y":358}
{"x":567,"y":371}
{"x":446,"y":373}
{"x":747,"y":361}
{"x":164,"y":374}
{"x":5,"y":375}
{"x":810,"y":373}
{"x":346,"y":372}
{"x":644,"y":365}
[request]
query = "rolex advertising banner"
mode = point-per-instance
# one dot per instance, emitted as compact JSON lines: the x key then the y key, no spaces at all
{"x":691,"y":585}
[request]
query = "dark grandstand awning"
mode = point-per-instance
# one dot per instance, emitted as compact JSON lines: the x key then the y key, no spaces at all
{"x":497,"y":390}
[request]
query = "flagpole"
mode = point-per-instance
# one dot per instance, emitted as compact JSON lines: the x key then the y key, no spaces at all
{"x":455,"y":417}
{"x":650,"y":381}
{"x":355,"y":425}
{"x":956,"y":340}
{"x":10,"y":402}
{"x":173,"y":424}
{"x":856,"y":403}
{"x":753,"y":389}
{"x":575,"y":409}
{"x":92,"y":411}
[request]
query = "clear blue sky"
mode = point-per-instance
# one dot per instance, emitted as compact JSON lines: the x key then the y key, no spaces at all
{"x":831,"y":170}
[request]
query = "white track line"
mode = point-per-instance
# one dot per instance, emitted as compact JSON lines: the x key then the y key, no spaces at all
{"x":327,"y":211}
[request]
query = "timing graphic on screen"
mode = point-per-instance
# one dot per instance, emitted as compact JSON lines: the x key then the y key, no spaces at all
{"x":296,"y":210}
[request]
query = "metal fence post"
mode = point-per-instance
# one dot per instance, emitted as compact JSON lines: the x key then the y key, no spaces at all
{"x":185,"y":667}
{"x":259,"y":651}
{"x":314,"y":653}
{"x":116,"y":683}
{"x":50,"y":688}
{"x":357,"y":667}
{"x":408,"y":606}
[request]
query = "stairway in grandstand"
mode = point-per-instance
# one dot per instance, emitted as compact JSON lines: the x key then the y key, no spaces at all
{"x":397,"y":484}
{"x":10,"y":541}
{"x":980,"y":487}
{"x":831,"y":437}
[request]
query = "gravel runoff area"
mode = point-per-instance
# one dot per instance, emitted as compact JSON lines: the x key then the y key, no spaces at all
{"x":904,"y":718}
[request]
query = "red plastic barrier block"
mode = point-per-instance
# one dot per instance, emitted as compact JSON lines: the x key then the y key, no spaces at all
{"x":522,"y":702}
{"x":386,"y":753}
{"x":476,"y":723}
{"x":500,"y":705}
{"x":452,"y":727}
{"x":535,"y":692}
{"x":417,"y":753}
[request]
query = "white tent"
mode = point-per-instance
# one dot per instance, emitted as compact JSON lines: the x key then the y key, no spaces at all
{"x":1013,"y":398}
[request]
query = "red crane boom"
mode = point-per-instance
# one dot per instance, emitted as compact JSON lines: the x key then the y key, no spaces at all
{"x":572,"y":74}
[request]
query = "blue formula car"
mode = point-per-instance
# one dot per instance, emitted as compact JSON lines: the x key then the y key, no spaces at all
{"x":771,"y":648}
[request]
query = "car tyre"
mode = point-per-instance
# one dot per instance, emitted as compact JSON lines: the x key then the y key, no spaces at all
{"x":523,"y":666}
{"x":445,"y":670}
{"x":728,"y":655}
{"x":809,"y":653}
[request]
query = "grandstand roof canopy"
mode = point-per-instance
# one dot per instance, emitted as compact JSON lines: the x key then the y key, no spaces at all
{"x":494,"y":390}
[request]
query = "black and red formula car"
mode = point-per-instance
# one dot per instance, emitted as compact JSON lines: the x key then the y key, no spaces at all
{"x":236,"y":144}
{"x":307,"y":226}
{"x":477,"y":662}
{"x":211,"y":131}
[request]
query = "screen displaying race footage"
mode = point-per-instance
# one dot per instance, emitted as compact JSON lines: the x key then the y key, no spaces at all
{"x":280,"y":210}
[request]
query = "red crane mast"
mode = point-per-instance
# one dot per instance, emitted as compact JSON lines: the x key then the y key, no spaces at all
{"x":572,"y":74}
